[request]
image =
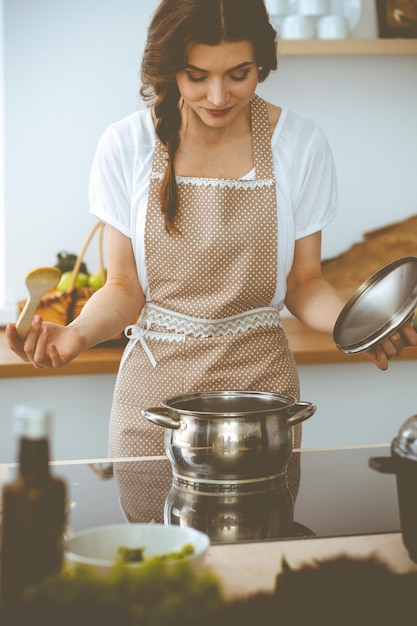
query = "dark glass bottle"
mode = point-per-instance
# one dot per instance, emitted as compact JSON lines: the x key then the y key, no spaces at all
{"x":34,"y":509}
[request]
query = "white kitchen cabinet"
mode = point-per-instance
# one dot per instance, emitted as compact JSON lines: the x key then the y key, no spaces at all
{"x":356,"y":404}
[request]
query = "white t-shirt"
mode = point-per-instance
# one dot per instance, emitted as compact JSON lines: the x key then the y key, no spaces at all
{"x":304,"y":172}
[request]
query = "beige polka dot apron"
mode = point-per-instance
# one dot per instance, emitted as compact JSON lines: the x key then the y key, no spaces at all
{"x":209,"y":324}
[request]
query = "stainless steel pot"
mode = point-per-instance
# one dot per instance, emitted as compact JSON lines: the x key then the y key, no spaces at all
{"x":229,"y":436}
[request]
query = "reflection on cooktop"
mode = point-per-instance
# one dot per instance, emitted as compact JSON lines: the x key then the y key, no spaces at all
{"x":339,"y":495}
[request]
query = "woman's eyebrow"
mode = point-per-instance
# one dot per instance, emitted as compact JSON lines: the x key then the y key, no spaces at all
{"x":231,"y":69}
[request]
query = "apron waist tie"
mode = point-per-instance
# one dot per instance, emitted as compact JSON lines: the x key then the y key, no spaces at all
{"x":178,"y":326}
{"x":138,"y":333}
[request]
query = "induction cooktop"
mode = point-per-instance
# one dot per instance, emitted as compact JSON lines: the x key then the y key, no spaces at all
{"x":339,"y":495}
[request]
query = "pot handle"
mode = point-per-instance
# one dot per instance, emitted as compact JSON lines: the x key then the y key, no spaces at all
{"x":299,"y":412}
{"x":383,"y":464}
{"x":161,"y":417}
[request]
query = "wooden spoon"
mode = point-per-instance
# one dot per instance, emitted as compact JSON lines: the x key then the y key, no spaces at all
{"x":38,"y":282}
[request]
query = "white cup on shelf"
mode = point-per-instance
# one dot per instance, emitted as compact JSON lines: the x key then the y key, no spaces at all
{"x":297,"y":27}
{"x":279,"y":7}
{"x":332,"y":27}
{"x":313,"y":7}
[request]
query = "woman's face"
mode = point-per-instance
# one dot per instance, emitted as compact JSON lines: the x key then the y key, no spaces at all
{"x":219,"y":81}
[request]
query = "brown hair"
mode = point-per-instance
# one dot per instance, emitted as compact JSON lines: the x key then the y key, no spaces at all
{"x":176,"y":26}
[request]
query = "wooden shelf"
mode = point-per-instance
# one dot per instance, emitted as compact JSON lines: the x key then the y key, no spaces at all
{"x":346,"y":47}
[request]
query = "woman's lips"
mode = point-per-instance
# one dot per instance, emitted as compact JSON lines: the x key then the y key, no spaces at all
{"x":218,"y":112}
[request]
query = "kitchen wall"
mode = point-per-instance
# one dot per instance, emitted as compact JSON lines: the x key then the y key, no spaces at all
{"x":71,"y":69}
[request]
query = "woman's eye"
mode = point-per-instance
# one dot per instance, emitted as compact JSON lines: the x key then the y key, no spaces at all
{"x":195,"y":78}
{"x":240,"y":77}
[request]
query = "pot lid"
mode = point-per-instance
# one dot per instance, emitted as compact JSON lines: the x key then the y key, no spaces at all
{"x":378,"y":307}
{"x":405,"y":444}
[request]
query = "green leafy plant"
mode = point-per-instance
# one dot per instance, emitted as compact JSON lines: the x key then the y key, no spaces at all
{"x":152,"y":595}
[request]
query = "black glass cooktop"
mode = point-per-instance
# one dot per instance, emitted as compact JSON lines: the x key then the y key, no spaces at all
{"x":339,"y":495}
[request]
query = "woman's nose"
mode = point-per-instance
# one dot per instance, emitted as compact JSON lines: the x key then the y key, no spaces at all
{"x":217,"y":93}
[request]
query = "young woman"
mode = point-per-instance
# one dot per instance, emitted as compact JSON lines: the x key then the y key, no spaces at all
{"x":215,"y":201}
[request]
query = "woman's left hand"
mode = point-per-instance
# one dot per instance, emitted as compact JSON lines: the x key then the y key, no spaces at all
{"x":392,"y":347}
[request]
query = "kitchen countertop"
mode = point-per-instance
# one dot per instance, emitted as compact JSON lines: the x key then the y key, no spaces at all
{"x":343,"y":508}
{"x":248,"y":569}
{"x":309,"y":348}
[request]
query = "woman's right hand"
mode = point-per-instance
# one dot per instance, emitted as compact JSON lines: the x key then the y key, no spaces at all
{"x":46,"y":344}
{"x":105,"y":314}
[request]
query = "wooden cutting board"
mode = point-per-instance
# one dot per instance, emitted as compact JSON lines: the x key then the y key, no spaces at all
{"x":349,"y":270}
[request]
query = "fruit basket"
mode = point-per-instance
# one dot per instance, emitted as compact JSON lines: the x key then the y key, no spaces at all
{"x":61,"y":306}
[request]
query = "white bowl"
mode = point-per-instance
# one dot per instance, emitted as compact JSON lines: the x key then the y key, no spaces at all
{"x":313,"y":7}
{"x":297,"y":27}
{"x":98,"y":547}
{"x":332,"y":27}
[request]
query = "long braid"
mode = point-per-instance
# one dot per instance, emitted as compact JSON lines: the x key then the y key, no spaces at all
{"x":167,"y":129}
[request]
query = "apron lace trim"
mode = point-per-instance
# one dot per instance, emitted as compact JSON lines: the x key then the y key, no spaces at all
{"x":222,"y":183}
{"x":179,"y":326}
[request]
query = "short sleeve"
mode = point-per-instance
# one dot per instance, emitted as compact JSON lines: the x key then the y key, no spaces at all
{"x":110,"y":183}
